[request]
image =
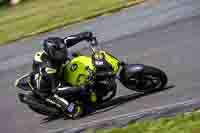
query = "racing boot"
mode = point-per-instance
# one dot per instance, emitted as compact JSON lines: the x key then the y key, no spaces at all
{"x":70,"y":110}
{"x":74,"y":110}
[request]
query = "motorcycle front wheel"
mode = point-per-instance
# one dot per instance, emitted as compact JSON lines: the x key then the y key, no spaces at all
{"x":150,"y":79}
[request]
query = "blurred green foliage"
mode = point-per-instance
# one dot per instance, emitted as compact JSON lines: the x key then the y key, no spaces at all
{"x":3,"y":1}
{"x":36,"y":16}
{"x":182,"y":123}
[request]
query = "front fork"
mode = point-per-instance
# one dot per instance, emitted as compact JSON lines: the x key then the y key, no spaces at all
{"x":131,"y":72}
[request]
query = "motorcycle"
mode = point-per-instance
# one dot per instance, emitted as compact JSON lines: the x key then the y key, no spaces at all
{"x":99,"y":71}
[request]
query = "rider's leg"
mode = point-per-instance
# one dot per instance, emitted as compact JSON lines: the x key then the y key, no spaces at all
{"x":71,"y":110}
{"x":85,"y":93}
{"x":45,"y":93}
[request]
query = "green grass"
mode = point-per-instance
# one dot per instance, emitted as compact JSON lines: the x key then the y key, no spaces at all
{"x":189,"y":123}
{"x":35,"y":16}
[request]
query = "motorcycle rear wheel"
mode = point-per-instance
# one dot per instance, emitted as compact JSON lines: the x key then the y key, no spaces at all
{"x":38,"y":107}
{"x":44,"y":110}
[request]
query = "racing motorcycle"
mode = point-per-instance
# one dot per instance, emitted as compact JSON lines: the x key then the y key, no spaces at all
{"x":99,"y":72}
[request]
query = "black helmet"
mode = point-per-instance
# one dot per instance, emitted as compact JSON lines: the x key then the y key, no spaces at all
{"x":55,"y":48}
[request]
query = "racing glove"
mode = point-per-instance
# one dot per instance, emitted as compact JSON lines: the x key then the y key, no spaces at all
{"x":74,"y":39}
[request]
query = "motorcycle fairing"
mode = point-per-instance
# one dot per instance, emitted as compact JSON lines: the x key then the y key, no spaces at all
{"x":80,"y":69}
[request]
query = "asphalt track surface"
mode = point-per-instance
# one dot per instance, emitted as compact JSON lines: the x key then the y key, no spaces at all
{"x":168,"y":40}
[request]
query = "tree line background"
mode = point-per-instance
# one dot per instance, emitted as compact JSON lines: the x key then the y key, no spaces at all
{"x":9,"y":2}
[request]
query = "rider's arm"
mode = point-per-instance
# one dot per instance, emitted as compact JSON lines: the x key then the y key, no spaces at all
{"x":50,"y":73}
{"x":74,"y":39}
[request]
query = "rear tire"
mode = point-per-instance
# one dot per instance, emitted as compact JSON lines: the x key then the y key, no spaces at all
{"x":44,"y":110}
{"x":37,"y":106}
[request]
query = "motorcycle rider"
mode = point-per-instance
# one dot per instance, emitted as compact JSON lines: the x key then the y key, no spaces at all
{"x":46,"y":66}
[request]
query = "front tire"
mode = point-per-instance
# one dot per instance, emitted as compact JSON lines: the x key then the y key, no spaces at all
{"x":148,"y":80}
